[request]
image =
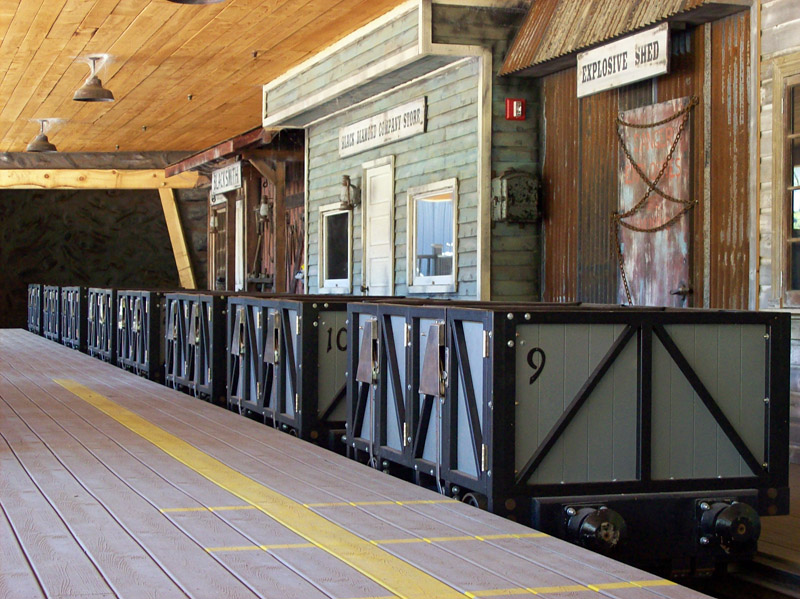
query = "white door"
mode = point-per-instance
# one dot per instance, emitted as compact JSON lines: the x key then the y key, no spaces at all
{"x":378,"y":278}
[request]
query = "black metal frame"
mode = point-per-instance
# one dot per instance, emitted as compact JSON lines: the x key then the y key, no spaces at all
{"x":641,"y":327}
{"x":101,"y":324}
{"x":51,"y":312}
{"x":140,"y":337}
{"x":74,"y":314}
{"x":35,"y":308}
{"x":194,"y":334}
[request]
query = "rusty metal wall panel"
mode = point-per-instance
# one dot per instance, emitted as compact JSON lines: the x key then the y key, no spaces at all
{"x":560,"y":187}
{"x":686,"y":77}
{"x":730,"y":248}
{"x":597,"y":266}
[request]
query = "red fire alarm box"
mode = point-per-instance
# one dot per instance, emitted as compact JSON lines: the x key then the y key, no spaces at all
{"x":515,"y":109}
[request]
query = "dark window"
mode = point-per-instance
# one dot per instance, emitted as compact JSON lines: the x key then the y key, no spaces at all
{"x":793,"y":186}
{"x":337,"y":241}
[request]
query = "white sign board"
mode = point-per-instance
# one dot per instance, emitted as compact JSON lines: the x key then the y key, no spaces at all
{"x":226,"y":179}
{"x":633,"y":58}
{"x":398,"y":123}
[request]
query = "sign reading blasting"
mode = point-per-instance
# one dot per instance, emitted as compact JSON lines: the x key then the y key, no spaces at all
{"x":634,"y":58}
{"x":398,"y":123}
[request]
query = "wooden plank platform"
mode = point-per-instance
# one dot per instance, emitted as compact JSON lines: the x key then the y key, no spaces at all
{"x":113,"y":486}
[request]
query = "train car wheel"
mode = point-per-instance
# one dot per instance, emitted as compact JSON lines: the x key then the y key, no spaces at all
{"x":475,"y":500}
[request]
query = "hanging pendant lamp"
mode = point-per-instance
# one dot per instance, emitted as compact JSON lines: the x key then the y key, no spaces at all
{"x":40,"y":143}
{"x":92,"y":90}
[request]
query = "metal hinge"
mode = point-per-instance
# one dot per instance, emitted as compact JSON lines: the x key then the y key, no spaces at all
{"x":484,"y":457}
{"x":406,"y":334}
{"x":296,"y":403}
{"x":405,"y":434}
{"x":486,"y":344}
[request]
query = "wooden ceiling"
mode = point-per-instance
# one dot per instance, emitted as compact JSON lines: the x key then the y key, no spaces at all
{"x":161,"y":54}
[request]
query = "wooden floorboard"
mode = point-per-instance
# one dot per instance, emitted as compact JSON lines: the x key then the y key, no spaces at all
{"x":139,"y":522}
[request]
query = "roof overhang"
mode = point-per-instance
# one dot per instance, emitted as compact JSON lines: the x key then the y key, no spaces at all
{"x":555,"y":31}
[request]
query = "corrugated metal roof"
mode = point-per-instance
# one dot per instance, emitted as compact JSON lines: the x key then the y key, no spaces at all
{"x":556,"y":29}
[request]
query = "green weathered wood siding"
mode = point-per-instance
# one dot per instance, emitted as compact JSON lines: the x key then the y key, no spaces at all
{"x":515,"y":249}
{"x":385,"y":42}
{"x":448,"y":148}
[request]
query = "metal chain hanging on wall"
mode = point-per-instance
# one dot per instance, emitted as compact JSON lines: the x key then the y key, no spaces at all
{"x":652,"y":186}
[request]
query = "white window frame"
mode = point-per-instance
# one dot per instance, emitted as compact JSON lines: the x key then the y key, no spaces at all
{"x":786,"y":73}
{"x":436,"y":283}
{"x":333,"y":286}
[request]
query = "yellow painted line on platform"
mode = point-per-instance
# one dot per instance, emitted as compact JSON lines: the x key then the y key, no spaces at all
{"x":569,"y":588}
{"x":365,"y":503}
{"x":390,"y":572}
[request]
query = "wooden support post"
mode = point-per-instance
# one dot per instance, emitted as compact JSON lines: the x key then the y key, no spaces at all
{"x":176,"y":236}
{"x":279,"y":220}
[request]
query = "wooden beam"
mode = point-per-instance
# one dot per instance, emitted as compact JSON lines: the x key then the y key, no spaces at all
{"x":224,"y":149}
{"x":96,"y":179}
{"x":279,"y":221}
{"x":277,"y":155}
{"x":265,"y":169}
{"x":177,"y":238}
{"x":89,"y":160}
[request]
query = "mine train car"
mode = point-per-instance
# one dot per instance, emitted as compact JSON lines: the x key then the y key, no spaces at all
{"x":74,"y":317}
{"x":101,"y":326}
{"x":51,"y":312}
{"x":194,"y":344}
{"x":658,"y":436}
{"x":35,"y":308}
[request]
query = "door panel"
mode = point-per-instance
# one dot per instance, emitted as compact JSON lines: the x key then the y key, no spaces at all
{"x":377,"y":235}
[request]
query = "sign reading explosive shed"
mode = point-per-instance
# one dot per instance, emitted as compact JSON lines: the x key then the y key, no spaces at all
{"x":634,"y":58}
{"x":398,"y":123}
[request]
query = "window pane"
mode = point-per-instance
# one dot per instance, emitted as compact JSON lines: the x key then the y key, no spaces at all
{"x":795,"y":224}
{"x":337,"y":242}
{"x":795,"y":163}
{"x":434,"y":229}
{"x":794,"y":112}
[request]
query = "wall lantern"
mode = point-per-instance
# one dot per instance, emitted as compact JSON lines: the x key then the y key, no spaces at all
{"x":92,"y":90}
{"x":40,"y":143}
{"x":350,"y":195}
{"x":212,"y":223}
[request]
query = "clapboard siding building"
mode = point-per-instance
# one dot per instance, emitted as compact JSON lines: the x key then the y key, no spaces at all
{"x":778,"y":162}
{"x":404,"y":133}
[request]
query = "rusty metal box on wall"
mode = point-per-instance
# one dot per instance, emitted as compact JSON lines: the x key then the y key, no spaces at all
{"x":101,"y":325}
{"x":35,"y":308}
{"x":74,"y":314}
{"x":194,"y":338}
{"x":140,"y":337}
{"x":51,"y":312}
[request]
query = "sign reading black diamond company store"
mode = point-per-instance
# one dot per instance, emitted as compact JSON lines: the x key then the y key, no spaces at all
{"x":394,"y":124}
{"x":630,"y":59}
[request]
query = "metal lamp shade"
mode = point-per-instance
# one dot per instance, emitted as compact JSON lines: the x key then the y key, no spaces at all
{"x":93,"y":91}
{"x":40,"y":143}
